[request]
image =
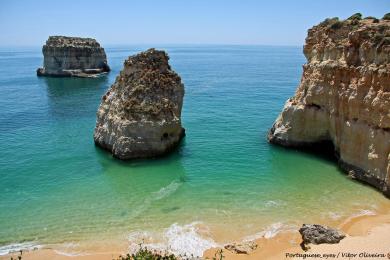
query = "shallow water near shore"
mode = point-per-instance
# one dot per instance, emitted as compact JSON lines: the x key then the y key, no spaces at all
{"x":224,"y":182}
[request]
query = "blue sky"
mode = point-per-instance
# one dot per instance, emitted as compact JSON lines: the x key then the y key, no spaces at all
{"x":275,"y":22}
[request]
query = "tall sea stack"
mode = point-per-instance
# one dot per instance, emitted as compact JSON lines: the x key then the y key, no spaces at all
{"x":140,"y":115}
{"x":73,"y":56}
{"x":344,"y":97}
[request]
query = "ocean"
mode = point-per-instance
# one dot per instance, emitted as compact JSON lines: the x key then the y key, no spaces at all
{"x":224,"y":183}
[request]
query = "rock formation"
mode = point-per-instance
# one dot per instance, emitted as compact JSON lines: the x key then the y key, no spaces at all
{"x":140,"y":115}
{"x":241,"y":248}
{"x":317,"y":234}
{"x":73,"y":56}
{"x":344,"y":97}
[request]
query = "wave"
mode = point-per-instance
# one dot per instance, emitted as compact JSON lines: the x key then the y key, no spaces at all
{"x":271,"y":231}
{"x":274,"y":203}
{"x":364,"y":212}
{"x":192,"y":239}
{"x":189,"y":239}
{"x":69,"y":249}
{"x":334,"y":215}
{"x":166,"y":191}
{"x":69,"y":253}
{"x":16,"y":247}
{"x":162,"y":193}
{"x":361,"y":213}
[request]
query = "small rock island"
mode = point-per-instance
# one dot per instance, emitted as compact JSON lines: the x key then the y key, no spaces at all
{"x":73,"y":57}
{"x":344,"y":97}
{"x":140,"y":115}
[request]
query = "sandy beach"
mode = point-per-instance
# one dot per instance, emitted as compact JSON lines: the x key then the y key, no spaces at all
{"x":367,"y":238}
{"x":194,"y":130}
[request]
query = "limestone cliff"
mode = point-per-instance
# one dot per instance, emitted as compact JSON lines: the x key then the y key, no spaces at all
{"x":140,"y":115}
{"x":73,"y":56}
{"x":344,"y":97}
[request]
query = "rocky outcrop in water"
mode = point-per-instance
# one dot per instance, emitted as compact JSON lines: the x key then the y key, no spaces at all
{"x":344,"y":97}
{"x":140,"y":115}
{"x":317,"y":234}
{"x":73,"y":56}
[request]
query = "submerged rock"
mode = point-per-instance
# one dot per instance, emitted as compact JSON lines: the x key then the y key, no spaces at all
{"x":241,"y":248}
{"x":317,"y":234}
{"x":344,"y":98}
{"x":140,"y":115}
{"x":73,"y":56}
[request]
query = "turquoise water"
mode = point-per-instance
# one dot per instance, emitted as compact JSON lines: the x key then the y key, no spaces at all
{"x":225,"y":182}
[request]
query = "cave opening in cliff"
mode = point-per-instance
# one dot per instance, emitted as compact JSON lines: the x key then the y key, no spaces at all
{"x":323,"y":149}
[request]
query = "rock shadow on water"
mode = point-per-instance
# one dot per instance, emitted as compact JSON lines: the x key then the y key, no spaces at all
{"x":157,"y":177}
{"x":323,"y":151}
{"x":73,"y":97}
{"x":168,"y":210}
{"x":106,"y":159}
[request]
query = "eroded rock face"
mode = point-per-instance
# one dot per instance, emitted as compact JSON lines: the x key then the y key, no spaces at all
{"x":317,"y":234}
{"x":140,"y":115}
{"x":344,"y":97}
{"x":73,"y":56}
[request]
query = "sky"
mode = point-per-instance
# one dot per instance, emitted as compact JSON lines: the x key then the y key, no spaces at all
{"x":128,"y":22}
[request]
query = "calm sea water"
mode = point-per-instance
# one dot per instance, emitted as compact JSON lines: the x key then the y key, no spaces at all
{"x":225,"y":182}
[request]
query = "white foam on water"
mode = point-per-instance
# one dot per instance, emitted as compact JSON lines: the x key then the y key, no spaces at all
{"x":162,"y":193}
{"x":189,"y":239}
{"x":12,"y":248}
{"x":271,"y":203}
{"x":364,"y":212}
{"x":144,"y":238}
{"x":274,"y":203}
{"x":273,"y":230}
{"x":332,"y":215}
{"x":69,"y":253}
{"x":69,"y":249}
{"x":166,"y":191}
{"x":270,"y":231}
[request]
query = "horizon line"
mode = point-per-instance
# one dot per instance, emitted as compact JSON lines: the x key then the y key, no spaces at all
{"x":164,"y":44}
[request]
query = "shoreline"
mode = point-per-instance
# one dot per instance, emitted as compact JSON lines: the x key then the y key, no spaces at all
{"x":365,"y":233}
